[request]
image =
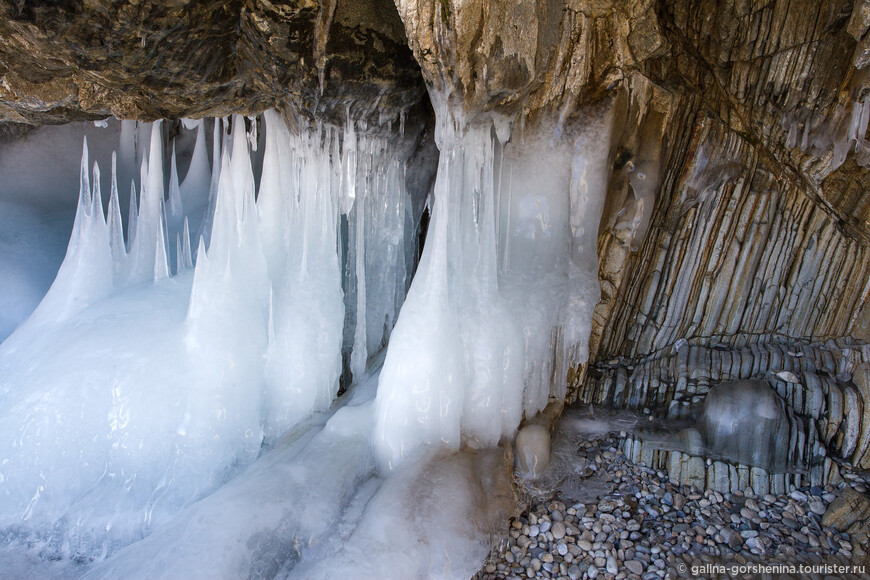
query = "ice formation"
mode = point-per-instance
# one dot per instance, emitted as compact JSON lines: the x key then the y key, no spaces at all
{"x":504,"y":291}
{"x":746,"y":421}
{"x":174,"y":348}
{"x":32,"y":241}
{"x":156,"y":366}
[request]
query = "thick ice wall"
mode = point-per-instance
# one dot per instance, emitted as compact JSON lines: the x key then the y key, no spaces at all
{"x":303,"y":361}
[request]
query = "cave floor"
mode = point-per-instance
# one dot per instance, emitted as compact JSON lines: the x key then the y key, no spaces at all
{"x":595,"y":514}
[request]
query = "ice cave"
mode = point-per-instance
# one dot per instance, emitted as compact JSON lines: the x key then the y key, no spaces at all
{"x":405,"y":289}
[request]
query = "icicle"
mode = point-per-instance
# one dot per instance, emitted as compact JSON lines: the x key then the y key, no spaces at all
{"x":116,"y":227}
{"x":348,"y":168}
{"x":854,"y":120}
{"x":863,"y":121}
{"x":791,"y":139}
{"x":176,"y":207}
{"x":133,"y":217}
{"x":127,"y":146}
{"x":252,"y":135}
{"x":195,"y":187}
{"x":187,"y":256}
{"x":204,"y":233}
{"x":179,"y":253}
{"x":359,"y":355}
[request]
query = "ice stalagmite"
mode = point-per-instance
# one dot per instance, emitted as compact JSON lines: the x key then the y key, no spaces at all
{"x":421,"y":389}
{"x":85,"y":276}
{"x":228,"y":311}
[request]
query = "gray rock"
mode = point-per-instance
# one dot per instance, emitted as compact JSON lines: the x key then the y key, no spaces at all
{"x":635,"y":567}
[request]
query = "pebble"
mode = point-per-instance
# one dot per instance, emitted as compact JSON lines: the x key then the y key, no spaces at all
{"x":818,"y":507}
{"x":647,"y":524}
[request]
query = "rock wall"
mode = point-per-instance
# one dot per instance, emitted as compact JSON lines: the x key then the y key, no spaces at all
{"x":758,"y":240}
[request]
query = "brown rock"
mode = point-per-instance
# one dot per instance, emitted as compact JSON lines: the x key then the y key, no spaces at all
{"x":849,"y":512}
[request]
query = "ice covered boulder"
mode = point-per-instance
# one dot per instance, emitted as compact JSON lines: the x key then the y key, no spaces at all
{"x":746,"y":421}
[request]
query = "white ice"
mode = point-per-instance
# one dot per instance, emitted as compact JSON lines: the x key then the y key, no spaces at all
{"x":502,"y":301}
{"x":172,"y":350}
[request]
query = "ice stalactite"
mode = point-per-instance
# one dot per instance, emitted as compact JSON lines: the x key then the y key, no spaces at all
{"x":503,"y":296}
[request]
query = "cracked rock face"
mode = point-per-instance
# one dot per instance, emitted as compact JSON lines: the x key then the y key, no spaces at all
{"x":140,"y":59}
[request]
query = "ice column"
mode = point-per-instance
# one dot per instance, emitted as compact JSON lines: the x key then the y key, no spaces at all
{"x":298,"y":206}
{"x":503,"y":296}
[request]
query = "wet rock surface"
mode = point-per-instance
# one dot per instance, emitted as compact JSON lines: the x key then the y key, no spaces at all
{"x":633,"y":522}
